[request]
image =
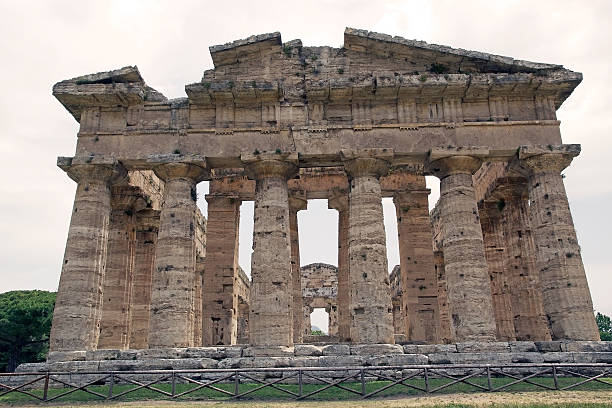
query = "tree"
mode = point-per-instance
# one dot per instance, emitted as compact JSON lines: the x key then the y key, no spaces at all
{"x":605,"y":326}
{"x":25,"y":324}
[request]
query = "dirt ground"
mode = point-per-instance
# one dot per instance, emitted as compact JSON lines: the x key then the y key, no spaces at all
{"x":483,"y":399}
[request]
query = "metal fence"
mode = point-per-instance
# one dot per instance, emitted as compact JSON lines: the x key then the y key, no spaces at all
{"x":304,"y":382}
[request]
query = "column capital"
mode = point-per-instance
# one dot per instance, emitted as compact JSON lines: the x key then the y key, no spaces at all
{"x":458,"y":164}
{"x":339,"y":202}
{"x":270,"y":165}
{"x":93,"y":169}
{"x":220,"y":198}
{"x":173,"y":171}
{"x":546,"y":159}
{"x":407,"y":196}
{"x":297,"y":203}
{"x":367,"y":162}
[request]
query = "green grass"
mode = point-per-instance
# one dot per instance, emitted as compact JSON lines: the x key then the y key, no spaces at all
{"x":331,"y":394}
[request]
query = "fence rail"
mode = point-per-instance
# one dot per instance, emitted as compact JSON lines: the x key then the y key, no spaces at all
{"x":291,"y":382}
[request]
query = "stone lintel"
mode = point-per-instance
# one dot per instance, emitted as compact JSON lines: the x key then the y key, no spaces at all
{"x":438,"y":153}
{"x":181,"y":170}
{"x":458,"y":164}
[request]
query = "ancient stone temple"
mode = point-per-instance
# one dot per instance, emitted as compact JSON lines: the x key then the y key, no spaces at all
{"x":280,"y":123}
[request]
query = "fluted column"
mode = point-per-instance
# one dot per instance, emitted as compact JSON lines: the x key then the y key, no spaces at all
{"x":370,"y":308}
{"x":565,"y":291}
{"x":271,"y":317}
{"x":118,"y":279}
{"x":418,"y":276}
{"x":172,"y":297}
{"x":495,"y":253}
{"x":147,"y":225}
{"x":220,"y":298}
{"x":467,"y":278}
{"x":340,"y":203}
{"x":296,"y":204}
{"x":530,"y":321}
{"x":78,"y":310}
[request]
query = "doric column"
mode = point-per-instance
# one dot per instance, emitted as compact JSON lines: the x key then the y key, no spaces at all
{"x":147,"y":225}
{"x":220,"y":299}
{"x":530,"y":321}
{"x":418,"y":276}
{"x":565,"y":291}
{"x":117,"y":287}
{"x":271,"y":318}
{"x":78,"y":310}
{"x":370,"y":308}
{"x":296,"y":204}
{"x":172,"y":298}
{"x":340,"y":203}
{"x":465,"y":266}
{"x":495,"y":253}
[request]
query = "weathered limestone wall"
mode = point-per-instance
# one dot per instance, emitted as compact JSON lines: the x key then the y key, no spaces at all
{"x":243,"y":289}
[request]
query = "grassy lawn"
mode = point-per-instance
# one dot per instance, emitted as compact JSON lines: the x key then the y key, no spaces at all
{"x":331,"y":394}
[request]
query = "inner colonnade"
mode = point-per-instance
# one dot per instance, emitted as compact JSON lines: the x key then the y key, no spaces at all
{"x":279,"y":124}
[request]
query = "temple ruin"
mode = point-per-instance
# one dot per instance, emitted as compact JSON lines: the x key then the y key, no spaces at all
{"x":280,"y":123}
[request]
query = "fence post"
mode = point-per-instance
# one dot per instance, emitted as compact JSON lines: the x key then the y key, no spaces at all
{"x":110,"y":385}
{"x":489,"y":378}
{"x":363,"y":387}
{"x":426,"y":375}
{"x":236,"y":383}
{"x":46,"y":390}
{"x":300,"y":383}
{"x":555,"y":377}
{"x":173,"y":383}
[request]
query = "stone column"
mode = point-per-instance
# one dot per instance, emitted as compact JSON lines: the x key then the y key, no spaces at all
{"x":147,"y":225}
{"x":271,"y":317}
{"x":565,"y":291}
{"x":76,"y":318}
{"x":495,"y":253}
{"x":117,"y":287}
{"x":530,"y":321}
{"x":296,"y":204}
{"x":340,"y":203}
{"x":371,"y":310}
{"x":465,"y":266}
{"x":220,"y":299}
{"x":418,"y":275}
{"x":172,"y":298}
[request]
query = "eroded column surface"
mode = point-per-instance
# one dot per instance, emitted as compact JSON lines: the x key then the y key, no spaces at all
{"x":370,"y":300}
{"x":340,"y":203}
{"x":465,"y":266}
{"x":271,"y":317}
{"x":418,"y":275}
{"x":296,"y":204}
{"x":530,"y":321}
{"x":172,"y":296}
{"x":565,"y":291}
{"x":220,"y":300}
{"x":495,"y":253}
{"x":147,"y":225}
{"x":118,"y":279}
{"x":77,"y":314}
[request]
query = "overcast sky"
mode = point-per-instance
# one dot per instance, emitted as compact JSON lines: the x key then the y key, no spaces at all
{"x":44,"y":42}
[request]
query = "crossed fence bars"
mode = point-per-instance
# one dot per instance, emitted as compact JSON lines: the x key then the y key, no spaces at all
{"x":360,"y":375}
